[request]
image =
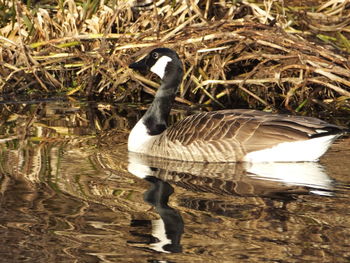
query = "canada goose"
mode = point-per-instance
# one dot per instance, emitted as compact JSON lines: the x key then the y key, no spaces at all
{"x":239,"y":135}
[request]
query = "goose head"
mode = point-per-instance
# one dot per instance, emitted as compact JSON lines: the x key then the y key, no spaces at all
{"x":164,"y":62}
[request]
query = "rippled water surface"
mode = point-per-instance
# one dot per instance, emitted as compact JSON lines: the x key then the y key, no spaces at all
{"x":71,"y":193}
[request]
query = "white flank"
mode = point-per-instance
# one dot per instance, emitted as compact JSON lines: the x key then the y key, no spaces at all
{"x":138,"y":138}
{"x":158,"y":231}
{"x":300,"y":151}
{"x":159,"y":67}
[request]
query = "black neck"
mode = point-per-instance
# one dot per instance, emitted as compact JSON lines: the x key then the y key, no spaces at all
{"x":157,"y":115}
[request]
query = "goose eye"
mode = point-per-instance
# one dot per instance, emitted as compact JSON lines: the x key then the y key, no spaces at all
{"x":155,"y":55}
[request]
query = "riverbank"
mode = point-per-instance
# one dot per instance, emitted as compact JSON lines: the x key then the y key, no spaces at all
{"x":267,"y":56}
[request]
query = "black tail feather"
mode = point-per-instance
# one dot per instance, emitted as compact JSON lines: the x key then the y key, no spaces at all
{"x":331,"y":131}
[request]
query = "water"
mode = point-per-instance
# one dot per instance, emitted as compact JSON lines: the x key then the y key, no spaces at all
{"x":71,"y":193}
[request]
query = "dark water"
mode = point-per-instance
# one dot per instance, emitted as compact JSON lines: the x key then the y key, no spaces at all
{"x":70,"y":193}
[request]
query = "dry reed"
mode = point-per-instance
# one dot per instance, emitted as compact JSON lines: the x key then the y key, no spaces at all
{"x":261,"y":54}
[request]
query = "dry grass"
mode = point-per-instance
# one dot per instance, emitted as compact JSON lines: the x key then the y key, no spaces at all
{"x":236,"y":53}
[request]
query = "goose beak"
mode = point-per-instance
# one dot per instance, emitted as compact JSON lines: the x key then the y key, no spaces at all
{"x":140,"y":65}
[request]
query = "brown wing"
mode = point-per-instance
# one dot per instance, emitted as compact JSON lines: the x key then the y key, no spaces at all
{"x":253,"y":130}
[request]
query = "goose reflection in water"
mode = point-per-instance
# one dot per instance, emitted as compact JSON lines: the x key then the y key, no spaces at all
{"x":243,"y":179}
{"x":166,"y":231}
{"x":280,"y":180}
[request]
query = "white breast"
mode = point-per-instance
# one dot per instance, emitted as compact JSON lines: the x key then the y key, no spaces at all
{"x":139,"y":138}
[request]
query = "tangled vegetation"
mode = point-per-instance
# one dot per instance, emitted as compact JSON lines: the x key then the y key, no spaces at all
{"x":270,"y":54}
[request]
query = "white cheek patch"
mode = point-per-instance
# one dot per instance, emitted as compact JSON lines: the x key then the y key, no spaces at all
{"x":159,"y":67}
{"x":159,"y":232}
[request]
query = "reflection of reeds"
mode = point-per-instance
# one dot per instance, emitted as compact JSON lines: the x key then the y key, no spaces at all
{"x":35,"y":137}
{"x":234,"y":53}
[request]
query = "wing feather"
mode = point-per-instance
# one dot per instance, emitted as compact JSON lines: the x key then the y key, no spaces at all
{"x":249,"y":127}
